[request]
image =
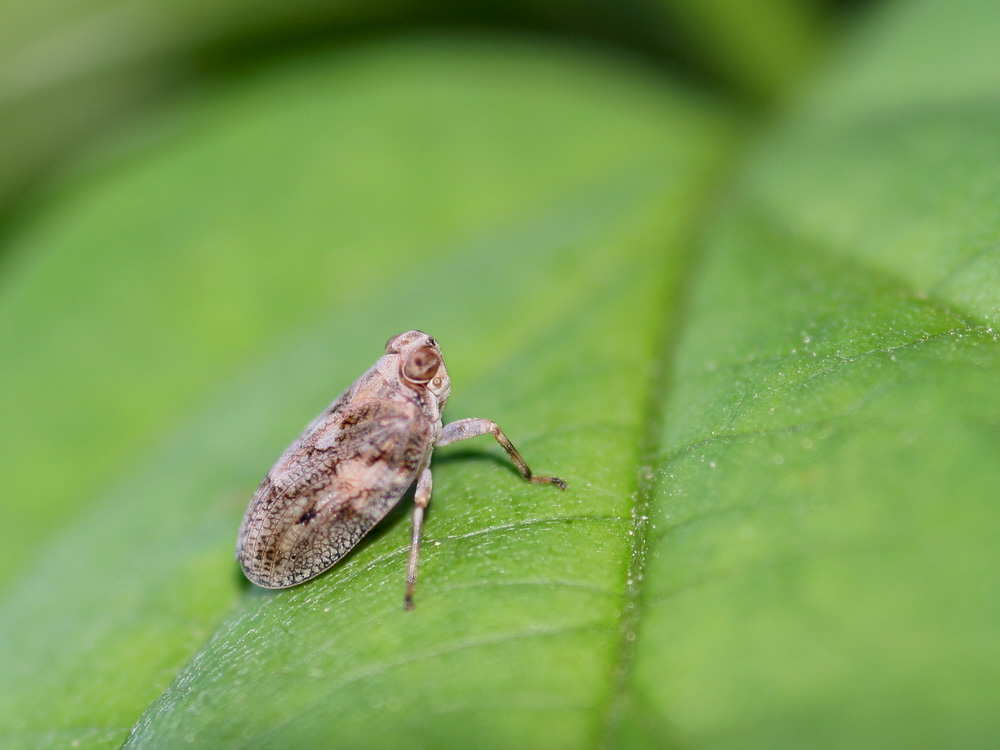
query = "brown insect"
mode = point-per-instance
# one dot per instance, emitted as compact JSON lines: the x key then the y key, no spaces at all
{"x":352,"y":465}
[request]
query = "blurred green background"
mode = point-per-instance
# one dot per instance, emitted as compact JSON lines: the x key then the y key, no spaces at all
{"x":730,"y":269}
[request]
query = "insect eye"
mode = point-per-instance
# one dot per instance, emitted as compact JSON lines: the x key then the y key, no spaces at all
{"x":421,"y":365}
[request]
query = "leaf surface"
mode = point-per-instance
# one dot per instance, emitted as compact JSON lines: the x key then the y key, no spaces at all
{"x":369,"y":206}
{"x":768,"y":377}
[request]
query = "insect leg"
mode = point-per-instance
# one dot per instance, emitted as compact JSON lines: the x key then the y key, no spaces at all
{"x":421,"y":499}
{"x":464,"y":429}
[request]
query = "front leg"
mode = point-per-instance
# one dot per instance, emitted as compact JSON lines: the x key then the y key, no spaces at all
{"x":420,"y":501}
{"x":464,"y":429}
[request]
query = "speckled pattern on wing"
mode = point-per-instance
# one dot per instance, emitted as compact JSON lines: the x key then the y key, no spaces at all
{"x":333,"y":485}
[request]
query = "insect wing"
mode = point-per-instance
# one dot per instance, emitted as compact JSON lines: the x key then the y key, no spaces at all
{"x":330,"y":488}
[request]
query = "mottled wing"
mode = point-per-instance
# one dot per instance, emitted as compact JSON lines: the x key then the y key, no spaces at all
{"x":333,"y":485}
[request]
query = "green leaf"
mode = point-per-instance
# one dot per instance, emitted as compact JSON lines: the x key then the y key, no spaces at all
{"x":759,"y":48}
{"x":819,"y":564}
{"x":514,"y":202}
{"x":771,"y":387}
{"x":70,"y":73}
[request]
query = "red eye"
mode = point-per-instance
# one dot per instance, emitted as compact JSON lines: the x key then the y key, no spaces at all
{"x":421,"y":365}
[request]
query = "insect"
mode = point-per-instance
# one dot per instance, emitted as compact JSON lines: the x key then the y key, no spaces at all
{"x":353,"y":463}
